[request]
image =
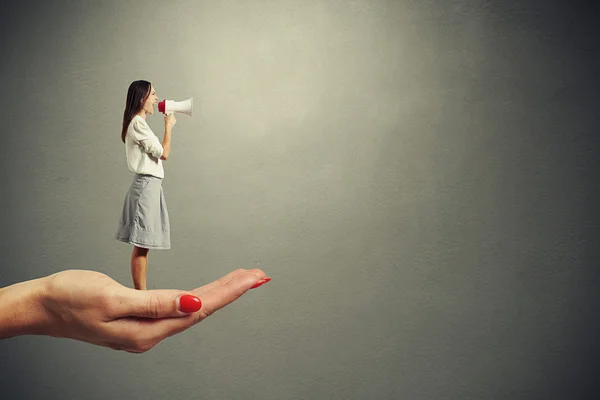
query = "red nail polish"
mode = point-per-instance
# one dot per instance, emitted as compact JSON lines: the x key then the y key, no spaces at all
{"x":189,"y":303}
{"x":260,"y":283}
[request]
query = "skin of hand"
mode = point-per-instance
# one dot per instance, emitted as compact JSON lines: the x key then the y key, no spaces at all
{"x":92,"y":307}
{"x":170,"y":120}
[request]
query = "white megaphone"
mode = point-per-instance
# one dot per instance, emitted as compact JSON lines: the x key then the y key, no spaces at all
{"x":171,"y":106}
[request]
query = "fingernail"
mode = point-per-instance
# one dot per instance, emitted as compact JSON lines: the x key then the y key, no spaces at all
{"x":260,"y":283}
{"x":188,"y":303}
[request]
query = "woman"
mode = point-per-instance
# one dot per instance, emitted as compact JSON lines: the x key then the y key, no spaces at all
{"x":144,"y":221}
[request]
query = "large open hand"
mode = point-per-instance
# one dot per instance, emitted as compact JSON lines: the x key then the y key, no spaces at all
{"x":92,"y":307}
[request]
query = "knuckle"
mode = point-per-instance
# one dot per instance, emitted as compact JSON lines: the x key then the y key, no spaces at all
{"x":136,"y":341}
{"x":154,"y":306}
{"x":116,"y":346}
{"x":203,"y":314}
{"x":142,"y":346}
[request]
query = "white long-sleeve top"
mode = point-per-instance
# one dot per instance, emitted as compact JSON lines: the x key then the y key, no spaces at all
{"x":143,"y":149}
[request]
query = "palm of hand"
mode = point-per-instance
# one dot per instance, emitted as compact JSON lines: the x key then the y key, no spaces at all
{"x":94,"y":308}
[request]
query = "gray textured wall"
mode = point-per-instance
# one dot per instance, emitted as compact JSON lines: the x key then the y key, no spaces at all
{"x":415,"y":176}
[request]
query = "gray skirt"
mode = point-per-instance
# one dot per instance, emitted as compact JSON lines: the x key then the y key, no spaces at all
{"x":145,"y":221}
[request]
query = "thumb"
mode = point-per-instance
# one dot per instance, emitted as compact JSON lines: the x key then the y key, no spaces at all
{"x":160,"y":303}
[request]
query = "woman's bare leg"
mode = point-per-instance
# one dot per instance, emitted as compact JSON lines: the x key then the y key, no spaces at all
{"x":139,"y":267}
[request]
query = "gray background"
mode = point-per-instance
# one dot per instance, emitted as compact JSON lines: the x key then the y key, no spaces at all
{"x":417,"y":177}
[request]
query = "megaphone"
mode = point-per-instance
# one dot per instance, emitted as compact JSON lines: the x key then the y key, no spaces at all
{"x":171,"y":106}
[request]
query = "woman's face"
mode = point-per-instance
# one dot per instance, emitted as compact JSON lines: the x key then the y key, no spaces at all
{"x":150,"y":101}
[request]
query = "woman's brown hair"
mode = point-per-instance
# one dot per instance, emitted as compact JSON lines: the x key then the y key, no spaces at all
{"x":137,"y":94}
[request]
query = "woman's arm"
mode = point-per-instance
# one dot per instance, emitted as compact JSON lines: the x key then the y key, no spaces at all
{"x":170,"y":122}
{"x":21,"y":309}
{"x":166,"y":144}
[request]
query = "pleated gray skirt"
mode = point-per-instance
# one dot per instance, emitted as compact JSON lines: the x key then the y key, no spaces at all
{"x":145,"y":221}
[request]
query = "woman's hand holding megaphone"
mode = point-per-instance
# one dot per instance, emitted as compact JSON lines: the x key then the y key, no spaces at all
{"x":170,"y":120}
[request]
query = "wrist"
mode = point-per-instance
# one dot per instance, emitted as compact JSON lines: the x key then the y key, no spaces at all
{"x":22,"y":309}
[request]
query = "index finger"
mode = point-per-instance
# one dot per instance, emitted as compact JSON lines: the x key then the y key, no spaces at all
{"x":214,"y":296}
{"x":226,"y":290}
